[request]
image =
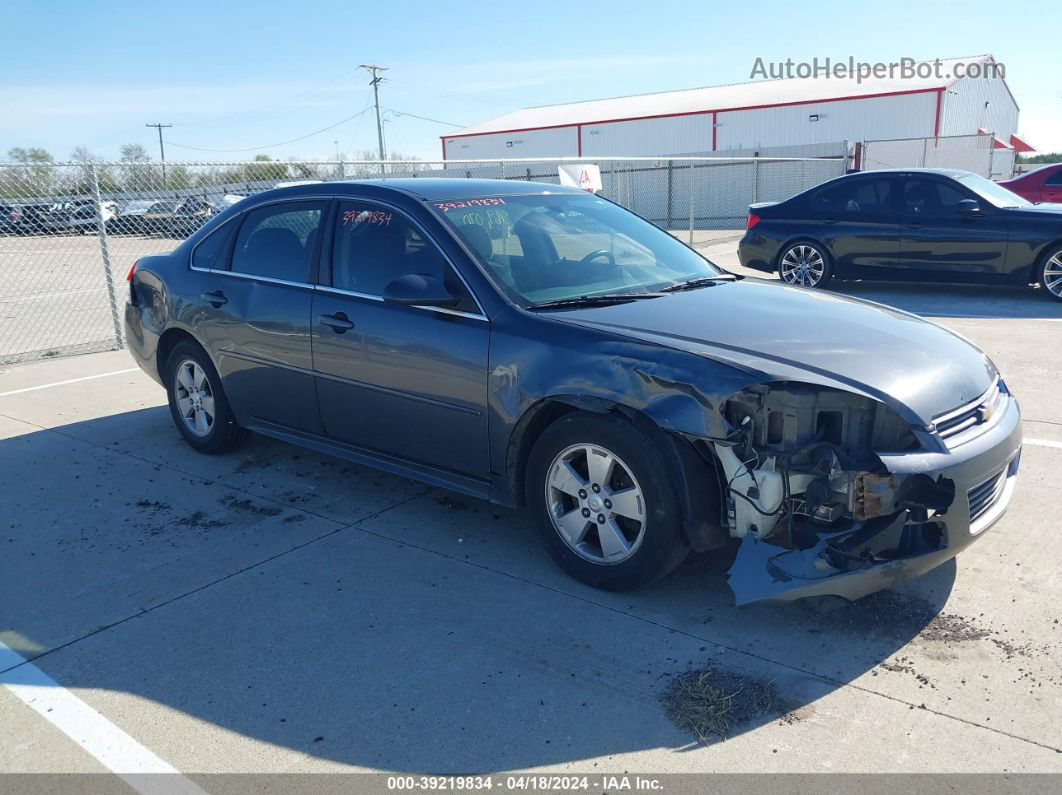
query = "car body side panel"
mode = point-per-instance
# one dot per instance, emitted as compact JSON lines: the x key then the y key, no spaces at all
{"x":1003,"y":246}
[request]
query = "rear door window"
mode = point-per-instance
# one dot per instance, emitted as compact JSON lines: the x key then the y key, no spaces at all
{"x":855,"y":198}
{"x":278,"y":241}
{"x":208,"y":252}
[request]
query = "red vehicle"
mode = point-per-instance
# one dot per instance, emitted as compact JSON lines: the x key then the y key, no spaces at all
{"x":1042,"y":185}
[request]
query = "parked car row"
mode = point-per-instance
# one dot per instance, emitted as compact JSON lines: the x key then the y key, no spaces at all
{"x":908,"y":225}
{"x":166,"y":217}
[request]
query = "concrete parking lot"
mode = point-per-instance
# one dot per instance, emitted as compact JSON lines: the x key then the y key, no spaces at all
{"x":277,"y":610}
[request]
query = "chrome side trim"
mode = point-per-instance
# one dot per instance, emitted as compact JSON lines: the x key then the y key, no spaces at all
{"x":254,"y":278}
{"x":441,"y":309}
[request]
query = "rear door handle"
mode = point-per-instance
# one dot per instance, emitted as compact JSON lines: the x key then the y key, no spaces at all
{"x":829,"y":220}
{"x":915,"y":225}
{"x":215,"y":299}
{"x":339,"y":322}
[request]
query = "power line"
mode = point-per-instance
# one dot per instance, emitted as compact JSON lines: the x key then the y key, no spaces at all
{"x":278,"y":108}
{"x":423,"y":118}
{"x":281,"y":143}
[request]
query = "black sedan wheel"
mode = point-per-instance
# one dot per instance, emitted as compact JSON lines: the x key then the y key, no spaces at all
{"x":804,"y":264}
{"x":1051,"y":275}
{"x":603,"y":504}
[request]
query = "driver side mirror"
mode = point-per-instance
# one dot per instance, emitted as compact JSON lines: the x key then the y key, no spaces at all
{"x":968,"y":207}
{"x":418,"y":289}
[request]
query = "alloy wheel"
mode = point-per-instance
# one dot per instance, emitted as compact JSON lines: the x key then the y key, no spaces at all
{"x":1053,"y":275}
{"x":802,"y":265}
{"x":595,"y":504}
{"x":194,"y":396}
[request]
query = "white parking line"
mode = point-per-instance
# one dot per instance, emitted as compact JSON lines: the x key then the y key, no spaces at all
{"x":1043,"y":443}
{"x":68,"y":381}
{"x":112,"y":747}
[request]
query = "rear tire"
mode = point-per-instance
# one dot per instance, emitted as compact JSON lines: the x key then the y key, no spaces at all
{"x":197,"y":401}
{"x":604,"y":507}
{"x":1051,"y":274}
{"x":805,"y":264}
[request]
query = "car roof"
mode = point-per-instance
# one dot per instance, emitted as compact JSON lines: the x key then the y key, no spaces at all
{"x":431,"y":188}
{"x":944,"y":172}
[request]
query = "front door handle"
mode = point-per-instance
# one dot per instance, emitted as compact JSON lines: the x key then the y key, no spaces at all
{"x":339,"y":322}
{"x":915,"y":225}
{"x":215,"y":299}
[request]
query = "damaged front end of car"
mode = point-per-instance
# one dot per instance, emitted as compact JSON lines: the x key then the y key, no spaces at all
{"x":834,"y":493}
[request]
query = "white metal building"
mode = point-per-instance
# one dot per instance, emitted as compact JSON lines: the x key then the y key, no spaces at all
{"x":752,"y":116}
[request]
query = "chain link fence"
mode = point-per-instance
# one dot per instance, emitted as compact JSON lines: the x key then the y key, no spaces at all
{"x":70,"y":232}
{"x":977,"y":153}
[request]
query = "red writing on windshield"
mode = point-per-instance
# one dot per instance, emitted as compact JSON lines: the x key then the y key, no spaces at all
{"x":460,"y":205}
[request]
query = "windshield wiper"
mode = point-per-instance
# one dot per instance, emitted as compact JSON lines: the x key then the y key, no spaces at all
{"x":695,"y":284}
{"x":597,"y":299}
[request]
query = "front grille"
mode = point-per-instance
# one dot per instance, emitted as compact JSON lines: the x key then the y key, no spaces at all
{"x":983,"y":497}
{"x":977,"y":412}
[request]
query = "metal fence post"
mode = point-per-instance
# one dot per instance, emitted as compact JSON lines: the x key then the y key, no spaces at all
{"x":108,"y":274}
{"x":692,"y":162}
{"x":670,"y":192}
{"x":756,"y":180}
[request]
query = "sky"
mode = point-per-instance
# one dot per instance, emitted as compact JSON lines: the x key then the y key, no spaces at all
{"x":236,"y":79}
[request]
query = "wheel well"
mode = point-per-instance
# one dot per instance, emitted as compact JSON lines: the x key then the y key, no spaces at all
{"x":525,"y":434}
{"x":167,"y":342}
{"x":1053,"y":246}
{"x":693,"y":472}
{"x":812,"y":241}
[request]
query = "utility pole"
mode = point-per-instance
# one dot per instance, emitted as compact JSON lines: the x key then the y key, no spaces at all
{"x":162,"y":149}
{"x":375,"y":83}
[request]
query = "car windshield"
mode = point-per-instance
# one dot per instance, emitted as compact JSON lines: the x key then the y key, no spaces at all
{"x":552,"y":247}
{"x":991,"y":192}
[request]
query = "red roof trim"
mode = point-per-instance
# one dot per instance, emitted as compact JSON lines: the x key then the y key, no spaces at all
{"x":1020,"y":145}
{"x":697,"y":112}
{"x":936,"y":123}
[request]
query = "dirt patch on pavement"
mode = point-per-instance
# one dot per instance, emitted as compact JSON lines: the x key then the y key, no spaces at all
{"x":246,"y":505}
{"x":712,"y":703}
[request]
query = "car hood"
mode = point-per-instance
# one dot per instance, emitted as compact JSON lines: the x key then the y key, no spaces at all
{"x":778,"y":332}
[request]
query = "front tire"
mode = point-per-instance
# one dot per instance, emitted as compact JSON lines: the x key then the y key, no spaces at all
{"x":1051,"y":274}
{"x":805,"y":264}
{"x":197,"y":401}
{"x":602,"y":502}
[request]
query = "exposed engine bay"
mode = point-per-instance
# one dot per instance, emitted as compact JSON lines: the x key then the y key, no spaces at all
{"x":805,"y":485}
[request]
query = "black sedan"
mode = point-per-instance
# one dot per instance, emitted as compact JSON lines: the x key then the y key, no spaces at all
{"x":920,"y":224}
{"x":543,"y":347}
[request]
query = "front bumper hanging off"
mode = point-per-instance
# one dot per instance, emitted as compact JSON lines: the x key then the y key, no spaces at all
{"x":844,"y":563}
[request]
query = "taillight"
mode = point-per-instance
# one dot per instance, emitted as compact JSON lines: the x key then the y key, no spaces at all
{"x":753,"y":220}
{"x":132,"y":270}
